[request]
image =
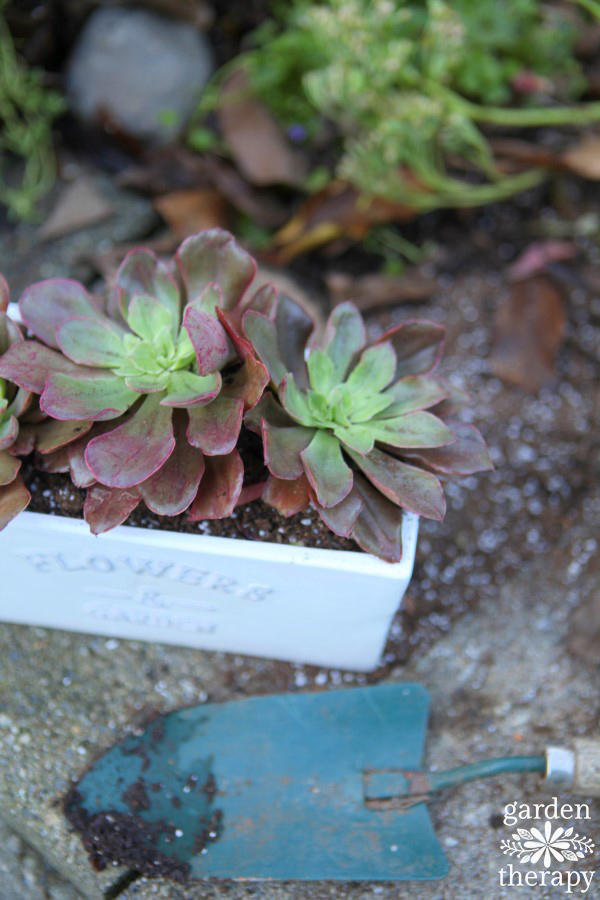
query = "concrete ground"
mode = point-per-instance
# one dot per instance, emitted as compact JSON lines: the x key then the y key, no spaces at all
{"x":502,"y":681}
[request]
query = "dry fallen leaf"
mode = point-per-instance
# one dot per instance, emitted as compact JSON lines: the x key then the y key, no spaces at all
{"x":584,"y":159}
{"x":258,"y":146}
{"x":538,"y":256}
{"x":79,"y":205}
{"x":371,"y":291}
{"x":334,"y":212}
{"x":529,"y":327}
{"x":187,"y":212}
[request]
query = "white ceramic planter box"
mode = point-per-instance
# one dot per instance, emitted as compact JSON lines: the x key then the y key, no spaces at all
{"x":327,"y":607}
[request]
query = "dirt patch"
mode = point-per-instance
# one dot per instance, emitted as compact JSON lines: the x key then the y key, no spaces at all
{"x":112,"y":837}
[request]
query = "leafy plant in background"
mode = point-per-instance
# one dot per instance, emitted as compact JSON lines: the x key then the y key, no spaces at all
{"x":409,"y":83}
{"x":160,"y":372}
{"x":27,"y":111}
{"x":142,"y":395}
{"x":355,"y":427}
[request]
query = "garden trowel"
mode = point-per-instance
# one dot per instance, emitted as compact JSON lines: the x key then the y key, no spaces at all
{"x":279,"y":787}
{"x":305,"y":787}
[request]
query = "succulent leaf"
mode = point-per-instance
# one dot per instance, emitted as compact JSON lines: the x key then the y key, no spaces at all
{"x":46,"y":305}
{"x":215,"y":428}
{"x":414,"y":430}
{"x":134,"y":450}
{"x":9,"y":428}
{"x":98,"y":398}
{"x":341,"y":518}
{"x":90,"y":342}
{"x":141,"y":273}
{"x":374,"y":371}
{"x":14,"y":498}
{"x":173,"y":487}
{"x":213,"y":256}
{"x":105,"y":508}
{"x":288,"y":497}
{"x":29,"y":364}
{"x":208,"y":338}
{"x":329,"y":476}
{"x":468,"y":453}
{"x":262,"y":333}
{"x":283,"y":448}
{"x":185,"y":389}
{"x":378,"y":526}
{"x":9,"y":467}
{"x":344,"y":337}
{"x":418,"y":345}
{"x":220,"y":487}
{"x":407,"y":486}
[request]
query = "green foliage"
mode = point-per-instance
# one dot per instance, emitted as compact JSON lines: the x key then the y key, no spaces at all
{"x":27,"y":111}
{"x":407,"y":82}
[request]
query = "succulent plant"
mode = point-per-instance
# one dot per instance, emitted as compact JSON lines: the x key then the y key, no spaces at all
{"x":14,"y":402}
{"x":159,"y":373}
{"x":354,"y":426}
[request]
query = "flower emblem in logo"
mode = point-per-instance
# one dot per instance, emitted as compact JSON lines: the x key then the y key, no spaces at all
{"x":561,"y":844}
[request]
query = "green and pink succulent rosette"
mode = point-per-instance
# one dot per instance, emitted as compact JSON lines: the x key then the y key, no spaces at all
{"x":155,"y":378}
{"x":142,"y":396}
{"x":14,"y":404}
{"x":357,"y":428}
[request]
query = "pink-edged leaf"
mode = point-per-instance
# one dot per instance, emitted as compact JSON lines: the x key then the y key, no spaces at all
{"x":105,"y":507}
{"x":147,"y":384}
{"x":344,"y":337}
{"x":185,"y":389}
{"x":171,"y":490}
{"x":219,"y":489}
{"x":142,"y":273}
{"x":57,"y":461}
{"x":262,"y":334}
{"x":9,"y":429}
{"x":215,"y":428}
{"x":135,"y":450}
{"x":294,"y":327}
{"x":91,"y":342}
{"x":14,"y":498}
{"x":53,"y":434}
{"x":9,"y":467}
{"x":4,"y":294}
{"x":342,"y":517}
{"x":24,"y":442}
{"x":98,"y":398}
{"x":411,"y":488}
{"x":209,"y":339}
{"x":329,"y":476}
{"x":467,"y":455}
{"x":10,"y":333}
{"x":29,"y":364}
{"x":215,"y":256}
{"x":418,"y":344}
{"x":20,"y":402}
{"x":378,"y":527}
{"x":283,"y":448}
{"x":249,"y":382}
{"x":414,"y":430}
{"x":80,"y":474}
{"x":44,"y":307}
{"x":270,"y":409}
{"x":287,"y":497}
{"x":251,"y":492}
{"x":413,"y":393}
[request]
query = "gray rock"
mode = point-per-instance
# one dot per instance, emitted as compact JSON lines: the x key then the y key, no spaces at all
{"x":142,"y":71}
